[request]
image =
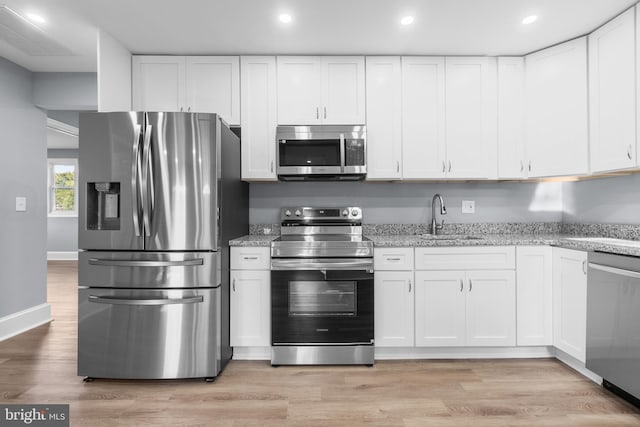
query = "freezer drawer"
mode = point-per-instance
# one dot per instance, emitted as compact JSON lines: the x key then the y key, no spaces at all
{"x":148,"y":334}
{"x":149,"y":269}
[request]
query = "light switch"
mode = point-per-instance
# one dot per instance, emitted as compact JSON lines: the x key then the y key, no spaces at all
{"x":21,"y":204}
{"x":468,"y":206}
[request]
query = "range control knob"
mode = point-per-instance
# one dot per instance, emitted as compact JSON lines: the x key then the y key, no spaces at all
{"x":287,"y":213}
{"x":345,"y":212}
{"x":355,"y":212}
{"x":298,"y":213}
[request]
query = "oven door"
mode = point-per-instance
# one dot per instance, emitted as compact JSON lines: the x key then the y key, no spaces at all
{"x":310,"y":156}
{"x":322,"y":302}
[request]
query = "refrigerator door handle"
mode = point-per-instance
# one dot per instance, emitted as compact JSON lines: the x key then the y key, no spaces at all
{"x":135,"y":191}
{"x":145,"y":180}
{"x":127,"y":301}
{"x":144,"y":263}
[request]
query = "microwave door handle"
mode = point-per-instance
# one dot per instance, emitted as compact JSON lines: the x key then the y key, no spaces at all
{"x":342,"y":153}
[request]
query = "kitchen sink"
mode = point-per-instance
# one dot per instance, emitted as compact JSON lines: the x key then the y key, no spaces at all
{"x":608,"y":241}
{"x":449,"y":237}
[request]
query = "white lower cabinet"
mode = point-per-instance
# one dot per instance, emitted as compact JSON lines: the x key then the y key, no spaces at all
{"x":393,"y":296}
{"x":465,"y":308}
{"x":570,"y":301}
{"x":534,"y":277}
{"x":250,"y":298}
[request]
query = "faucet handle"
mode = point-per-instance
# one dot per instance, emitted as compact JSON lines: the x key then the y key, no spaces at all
{"x":439,"y":227}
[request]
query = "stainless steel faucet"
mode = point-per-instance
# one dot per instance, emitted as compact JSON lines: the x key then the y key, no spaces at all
{"x":443,"y":211}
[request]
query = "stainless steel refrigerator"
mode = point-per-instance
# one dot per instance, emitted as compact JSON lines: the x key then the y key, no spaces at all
{"x":160,"y":197}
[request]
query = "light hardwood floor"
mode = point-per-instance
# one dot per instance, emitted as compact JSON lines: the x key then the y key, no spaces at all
{"x":40,"y":367}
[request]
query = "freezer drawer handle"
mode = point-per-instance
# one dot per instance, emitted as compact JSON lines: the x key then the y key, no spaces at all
{"x":127,"y":301}
{"x":613,"y":270}
{"x":129,"y":263}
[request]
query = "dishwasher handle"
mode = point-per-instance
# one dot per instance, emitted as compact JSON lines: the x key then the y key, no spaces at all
{"x":614,"y":270}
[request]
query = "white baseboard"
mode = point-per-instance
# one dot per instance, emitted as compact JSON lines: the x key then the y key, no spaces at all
{"x":24,"y":320}
{"x":251,"y":353}
{"x":62,"y":256}
{"x":577,"y":365}
{"x":400,"y":353}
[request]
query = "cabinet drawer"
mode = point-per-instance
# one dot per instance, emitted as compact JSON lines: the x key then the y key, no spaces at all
{"x":466,"y":258}
{"x":250,"y":258}
{"x":393,"y":258}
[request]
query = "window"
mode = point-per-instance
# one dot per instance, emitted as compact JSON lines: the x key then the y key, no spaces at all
{"x":63,"y":187}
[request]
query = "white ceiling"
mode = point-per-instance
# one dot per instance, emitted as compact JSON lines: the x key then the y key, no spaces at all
{"x":211,"y":27}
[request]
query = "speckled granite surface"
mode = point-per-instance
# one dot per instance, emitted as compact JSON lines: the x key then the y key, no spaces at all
{"x":507,"y":234}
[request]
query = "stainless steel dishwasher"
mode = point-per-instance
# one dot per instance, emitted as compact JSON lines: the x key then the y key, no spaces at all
{"x":613,"y":322}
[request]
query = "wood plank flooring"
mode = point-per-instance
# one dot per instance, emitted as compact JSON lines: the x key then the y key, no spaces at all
{"x":40,"y":367}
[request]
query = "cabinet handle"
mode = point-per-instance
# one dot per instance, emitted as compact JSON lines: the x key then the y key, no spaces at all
{"x":461,"y":285}
{"x":584,"y":266}
{"x":325,"y":112}
{"x":189,"y":110}
{"x":317,"y":113}
{"x":397,"y":166}
{"x":449,"y":165}
{"x":234,"y":284}
{"x":250,"y":257}
{"x":181,"y":109}
{"x":393,"y":259}
{"x":529,"y":165}
{"x":521,"y":166}
{"x":444,"y":166}
{"x":409,"y":285}
{"x":470,"y":285}
{"x":629,"y":154}
{"x":271,"y":166}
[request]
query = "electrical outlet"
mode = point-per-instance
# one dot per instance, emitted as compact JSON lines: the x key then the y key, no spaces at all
{"x":21,"y":204}
{"x":468,"y":206}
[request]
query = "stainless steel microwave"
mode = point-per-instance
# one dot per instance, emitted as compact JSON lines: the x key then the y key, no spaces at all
{"x":321,"y":152}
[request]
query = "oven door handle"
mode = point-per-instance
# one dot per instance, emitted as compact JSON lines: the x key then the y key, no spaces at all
{"x":316,"y":264}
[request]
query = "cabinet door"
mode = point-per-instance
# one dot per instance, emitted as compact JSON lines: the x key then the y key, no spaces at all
{"x":570,"y":301}
{"x":471,"y":117}
{"x":393,"y":298}
{"x":423,"y":119}
{"x":258,"y":118}
{"x":213,"y":86}
{"x":439,"y":309}
{"x":612,"y":96}
{"x":556,"y":92}
{"x":511,"y":152}
{"x":491,"y":308}
{"x":384,"y":115}
{"x":158,"y":83}
{"x":299,"y":90}
{"x":534,"y":278}
{"x":343,"y":87}
{"x":250,"y":308}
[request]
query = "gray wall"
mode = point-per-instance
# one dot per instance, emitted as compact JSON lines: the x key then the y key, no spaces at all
{"x":65,"y":91}
{"x":62,"y":232}
{"x":22,"y":173}
{"x":411,"y":202}
{"x":614,"y":200}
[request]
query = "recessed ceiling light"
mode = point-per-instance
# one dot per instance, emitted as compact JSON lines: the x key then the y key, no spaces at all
{"x":407,"y":20}
{"x":34,"y":17}
{"x":285,"y":18}
{"x":530,"y":19}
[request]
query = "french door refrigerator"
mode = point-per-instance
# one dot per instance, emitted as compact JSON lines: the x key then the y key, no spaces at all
{"x":160,"y":197}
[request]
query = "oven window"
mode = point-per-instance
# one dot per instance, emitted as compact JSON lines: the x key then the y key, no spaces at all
{"x":317,"y":152}
{"x":320,"y":298}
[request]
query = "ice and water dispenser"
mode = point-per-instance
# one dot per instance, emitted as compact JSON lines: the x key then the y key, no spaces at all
{"x":103,"y":206}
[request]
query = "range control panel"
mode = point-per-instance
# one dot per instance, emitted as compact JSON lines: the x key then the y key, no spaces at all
{"x":305,"y":214}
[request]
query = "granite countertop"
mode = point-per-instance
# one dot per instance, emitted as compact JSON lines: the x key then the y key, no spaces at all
{"x":506,"y":239}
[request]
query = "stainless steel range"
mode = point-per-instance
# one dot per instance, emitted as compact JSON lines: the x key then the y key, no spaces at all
{"x":322,"y":288}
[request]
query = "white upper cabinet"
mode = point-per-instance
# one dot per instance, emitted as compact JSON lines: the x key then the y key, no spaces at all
{"x":258,"y":117}
{"x":213,"y":86}
{"x":177,"y":83}
{"x":471,"y":117}
{"x":612,"y":95}
{"x":423,"y":118}
{"x":321,"y":90}
{"x":511,"y":99}
{"x":158,"y":83}
{"x":556,"y":92}
{"x":384,"y":117}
